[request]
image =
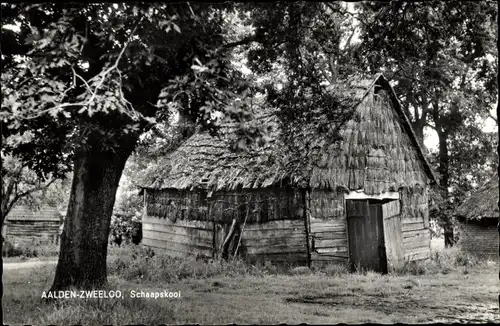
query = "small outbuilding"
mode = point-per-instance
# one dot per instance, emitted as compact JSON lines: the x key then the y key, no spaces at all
{"x":478,"y":217}
{"x":33,"y":226}
{"x":366,"y":201}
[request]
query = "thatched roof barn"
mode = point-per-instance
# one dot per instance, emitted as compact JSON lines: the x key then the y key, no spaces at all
{"x":478,"y":217}
{"x":32,"y":226}
{"x":376,"y":168}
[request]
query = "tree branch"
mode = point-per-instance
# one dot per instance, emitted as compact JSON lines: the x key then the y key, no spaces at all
{"x":98,"y":86}
{"x":430,"y":125}
{"x":323,"y":72}
{"x":348,"y":42}
{"x":30,"y":191}
{"x":333,"y":69}
{"x":492,"y":117}
{"x":244,"y":41}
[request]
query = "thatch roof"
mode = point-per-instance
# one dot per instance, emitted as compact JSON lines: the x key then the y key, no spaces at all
{"x":24,"y":213}
{"x":204,"y":161}
{"x":481,"y":204}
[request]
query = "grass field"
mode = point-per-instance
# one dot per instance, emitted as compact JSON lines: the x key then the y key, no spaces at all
{"x":212,"y":293}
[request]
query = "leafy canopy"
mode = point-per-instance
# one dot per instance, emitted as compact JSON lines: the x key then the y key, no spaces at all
{"x":87,"y":77}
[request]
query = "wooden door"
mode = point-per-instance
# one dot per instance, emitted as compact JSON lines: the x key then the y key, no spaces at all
{"x":366,"y":235}
{"x":393,"y":234}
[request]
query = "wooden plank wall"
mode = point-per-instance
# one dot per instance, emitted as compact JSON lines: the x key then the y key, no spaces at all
{"x":273,"y":230}
{"x":393,"y":238}
{"x":328,"y":227}
{"x":264,"y":205}
{"x":177,"y":205}
{"x":415,"y":224}
{"x":33,"y":232}
{"x":180,"y":238}
{"x":276,"y":241}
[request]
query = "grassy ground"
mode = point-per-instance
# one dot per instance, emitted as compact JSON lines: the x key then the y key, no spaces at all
{"x":450,"y":289}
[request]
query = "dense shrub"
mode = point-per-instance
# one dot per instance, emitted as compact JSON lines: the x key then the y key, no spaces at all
{"x":125,"y":229}
{"x":25,"y":250}
{"x":142,"y":263}
{"x":441,"y":261}
{"x":9,"y":250}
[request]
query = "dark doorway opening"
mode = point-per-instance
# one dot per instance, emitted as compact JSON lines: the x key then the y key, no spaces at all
{"x":374,"y":233}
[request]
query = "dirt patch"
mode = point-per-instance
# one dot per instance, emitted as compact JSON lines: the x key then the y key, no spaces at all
{"x":329,"y":300}
{"x":473,"y":313}
{"x":381,"y":302}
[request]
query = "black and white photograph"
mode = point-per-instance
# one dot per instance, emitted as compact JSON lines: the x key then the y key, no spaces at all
{"x":214,"y":163}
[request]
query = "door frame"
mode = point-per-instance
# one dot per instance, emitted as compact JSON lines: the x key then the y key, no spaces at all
{"x":383,"y":258}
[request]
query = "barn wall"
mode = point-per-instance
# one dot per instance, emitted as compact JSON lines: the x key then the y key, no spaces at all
{"x":329,"y":233}
{"x":177,"y":205}
{"x":328,"y":227}
{"x":32,"y":232}
{"x":265,"y":205}
{"x":276,"y":241}
{"x":479,"y":238}
{"x":415,"y":223}
{"x":183,"y":223}
{"x":179,"y":238}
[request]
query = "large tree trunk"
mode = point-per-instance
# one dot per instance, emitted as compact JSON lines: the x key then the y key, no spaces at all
{"x":84,"y":240}
{"x":444,"y":182}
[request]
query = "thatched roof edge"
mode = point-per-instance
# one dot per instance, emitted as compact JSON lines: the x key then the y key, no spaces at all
{"x":483,"y":203}
{"x":409,"y":129}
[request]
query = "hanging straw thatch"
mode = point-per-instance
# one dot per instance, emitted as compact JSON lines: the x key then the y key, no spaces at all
{"x":378,"y":152}
{"x":481,"y":204}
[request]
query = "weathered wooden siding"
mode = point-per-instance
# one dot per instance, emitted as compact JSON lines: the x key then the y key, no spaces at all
{"x":274,"y":208}
{"x":393,"y":237}
{"x":268,"y":204}
{"x":264,"y":205}
{"x":177,"y":205}
{"x":271,"y":222}
{"x":479,"y":238}
{"x":276,"y":241}
{"x":32,"y":232}
{"x":327,"y":227}
{"x":415,"y":223}
{"x":180,"y":238}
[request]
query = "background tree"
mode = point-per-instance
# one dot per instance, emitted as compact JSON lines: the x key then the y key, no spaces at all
{"x":22,"y":186}
{"x":298,"y":53}
{"x":442,"y":59}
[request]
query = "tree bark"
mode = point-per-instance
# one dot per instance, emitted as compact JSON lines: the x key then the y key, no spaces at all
{"x":418,"y":128}
{"x":444,"y":182}
{"x":444,"y":160}
{"x":419,"y":121}
{"x":84,"y":240}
